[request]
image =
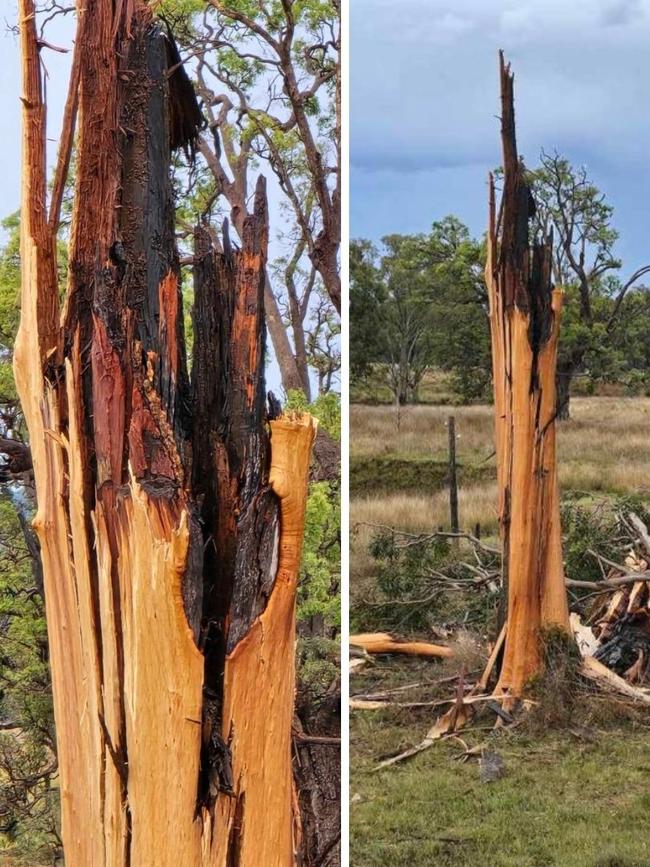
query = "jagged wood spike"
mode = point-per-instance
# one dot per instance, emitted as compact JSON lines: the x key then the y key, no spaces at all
{"x":524,"y":322}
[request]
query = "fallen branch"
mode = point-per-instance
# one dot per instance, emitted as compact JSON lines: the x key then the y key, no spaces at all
{"x":594,"y":670}
{"x":610,"y":583}
{"x":421,"y":538}
{"x":496,"y":650}
{"x":379,"y":704}
{"x":641,"y":529}
{"x":383,"y":642}
{"x":315,"y":739}
{"x":455,"y":718}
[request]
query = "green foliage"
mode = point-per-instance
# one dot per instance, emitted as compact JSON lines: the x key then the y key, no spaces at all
{"x":596,"y":527}
{"x":585,"y":529}
{"x":420,"y":304}
{"x":177,"y":11}
{"x":10,"y":284}
{"x":585,"y":265}
{"x":423,"y":581}
{"x":367,"y":296}
{"x":319,"y":589}
{"x":326,"y":408}
{"x":28,"y":799}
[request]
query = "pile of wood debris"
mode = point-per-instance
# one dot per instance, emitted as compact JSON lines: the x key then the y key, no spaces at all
{"x":611,"y":627}
{"x":615,"y":634}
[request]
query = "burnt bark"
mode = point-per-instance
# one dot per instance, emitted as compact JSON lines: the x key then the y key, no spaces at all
{"x":239,"y":513}
{"x":236,"y":195}
{"x":317,"y":770}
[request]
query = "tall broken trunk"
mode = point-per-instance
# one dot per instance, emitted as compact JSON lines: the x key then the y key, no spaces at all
{"x":524,"y":321}
{"x":170,"y":510}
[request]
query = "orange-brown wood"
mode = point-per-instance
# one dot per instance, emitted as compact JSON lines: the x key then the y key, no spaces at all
{"x":74,"y":663}
{"x":257,"y":821}
{"x":383,"y":642}
{"x":524,"y":322}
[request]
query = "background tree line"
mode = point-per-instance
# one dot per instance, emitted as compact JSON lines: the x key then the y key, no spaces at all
{"x":418,"y":302}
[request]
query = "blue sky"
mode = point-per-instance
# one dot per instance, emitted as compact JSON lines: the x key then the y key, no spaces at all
{"x":424,"y":104}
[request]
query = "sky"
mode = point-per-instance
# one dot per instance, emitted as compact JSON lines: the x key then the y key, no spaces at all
{"x":425,"y":102}
{"x":60,"y":32}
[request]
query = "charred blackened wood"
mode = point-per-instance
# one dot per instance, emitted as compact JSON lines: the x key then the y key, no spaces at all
{"x":239,"y":512}
{"x":317,"y":770}
{"x":628,"y":640}
{"x":186,"y":119}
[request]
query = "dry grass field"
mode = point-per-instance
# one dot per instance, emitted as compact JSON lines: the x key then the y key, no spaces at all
{"x":603,"y":449}
{"x":607,"y":432}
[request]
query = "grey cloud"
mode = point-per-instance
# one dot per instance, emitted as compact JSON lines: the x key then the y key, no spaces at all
{"x":622,"y":12}
{"x":424,"y":101}
{"x":432,"y":101}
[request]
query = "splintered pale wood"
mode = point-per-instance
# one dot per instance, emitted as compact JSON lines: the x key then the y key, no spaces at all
{"x":74,"y":663}
{"x":608,"y":679}
{"x":256,"y":824}
{"x":157,"y":501}
{"x":383,"y":642}
{"x":524,"y":322}
{"x":162,"y":675}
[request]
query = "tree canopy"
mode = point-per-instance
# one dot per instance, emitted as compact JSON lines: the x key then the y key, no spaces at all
{"x":418,"y":302}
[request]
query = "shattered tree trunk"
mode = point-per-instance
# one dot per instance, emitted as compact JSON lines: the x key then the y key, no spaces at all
{"x":170,"y":521}
{"x":524,"y":320}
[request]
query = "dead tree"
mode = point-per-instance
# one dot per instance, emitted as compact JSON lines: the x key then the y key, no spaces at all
{"x":170,"y":508}
{"x":524,"y":321}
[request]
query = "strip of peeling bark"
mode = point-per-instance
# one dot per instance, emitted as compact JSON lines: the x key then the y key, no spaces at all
{"x":524,"y":321}
{"x":170,"y":537}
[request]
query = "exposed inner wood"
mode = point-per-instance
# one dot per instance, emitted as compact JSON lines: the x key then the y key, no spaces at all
{"x":259,"y":683}
{"x":524,"y":321}
{"x":170,"y":520}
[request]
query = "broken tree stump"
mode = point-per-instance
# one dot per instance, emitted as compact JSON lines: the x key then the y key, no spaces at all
{"x":524,"y":323}
{"x":170,"y":510}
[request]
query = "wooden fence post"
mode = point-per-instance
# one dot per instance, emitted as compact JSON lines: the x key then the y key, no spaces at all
{"x":453,"y":476}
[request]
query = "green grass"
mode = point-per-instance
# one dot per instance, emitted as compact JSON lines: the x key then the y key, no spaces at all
{"x":563,"y":802}
{"x":390,"y":474}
